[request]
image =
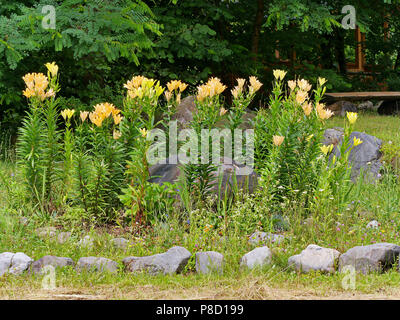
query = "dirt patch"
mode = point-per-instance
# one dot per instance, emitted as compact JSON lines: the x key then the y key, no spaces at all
{"x":251,"y":292}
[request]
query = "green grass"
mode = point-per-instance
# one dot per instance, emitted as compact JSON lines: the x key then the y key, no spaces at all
{"x":383,"y":127}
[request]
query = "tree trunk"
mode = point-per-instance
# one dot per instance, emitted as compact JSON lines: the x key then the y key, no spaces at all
{"x":257,"y":29}
{"x":339,"y":48}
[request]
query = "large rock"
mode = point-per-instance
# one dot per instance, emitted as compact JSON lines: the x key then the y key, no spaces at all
{"x":56,"y":262}
{"x":230,"y":170}
{"x":209,"y":261}
{"x":366,"y":155}
{"x":172,"y":261}
{"x":186,"y":109}
{"x":5,"y":262}
{"x":184,"y":112}
{"x":340,"y":108}
{"x":258,"y":257}
{"x":315,"y":258}
{"x":375,"y":257}
{"x":366,"y":106}
{"x":98,"y":264}
{"x":14,"y":263}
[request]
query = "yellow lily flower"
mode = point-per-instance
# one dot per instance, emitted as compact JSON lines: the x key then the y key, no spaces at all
{"x":256,"y":85}
{"x":292,"y":84}
{"x":143,"y":132}
{"x":117,"y":119}
{"x":301,"y":96}
{"x":322,"y":81}
{"x":356,"y":142}
{"x":84,"y":115}
{"x":352,"y":117}
{"x":116,"y":134}
{"x":307,"y":108}
{"x":326,"y":149}
{"x":53,"y":68}
{"x":304,"y":85}
{"x":278,"y":140}
{"x":279,"y":74}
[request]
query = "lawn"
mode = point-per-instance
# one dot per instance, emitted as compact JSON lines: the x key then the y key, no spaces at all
{"x":383,"y":127}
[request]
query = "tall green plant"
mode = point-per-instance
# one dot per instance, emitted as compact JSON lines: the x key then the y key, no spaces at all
{"x":38,"y":144}
{"x":290,"y":133}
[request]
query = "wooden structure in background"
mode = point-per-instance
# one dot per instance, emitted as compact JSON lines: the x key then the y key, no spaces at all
{"x":358,"y":96}
{"x":354,"y":67}
{"x":359,"y":64}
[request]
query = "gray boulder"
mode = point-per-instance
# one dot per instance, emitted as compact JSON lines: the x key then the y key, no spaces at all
{"x":264,"y":238}
{"x":209,"y":261}
{"x":56,"y":262}
{"x":184,"y":112}
{"x":172,"y":261}
{"x":228,"y":168}
{"x":348,"y":107}
{"x":365,"y":156}
{"x":20,"y":262}
{"x":187,"y":107}
{"x":366,"y":106}
{"x":5,"y":262}
{"x":98,"y":264}
{"x":375,"y":257}
{"x":86,"y":242}
{"x":120,"y":243}
{"x":339,"y":108}
{"x":258,"y":257}
{"x":14,"y":263}
{"x":315,"y":258}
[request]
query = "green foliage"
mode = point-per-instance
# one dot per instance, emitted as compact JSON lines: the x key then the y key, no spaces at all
{"x":89,"y":35}
{"x":288,"y":138}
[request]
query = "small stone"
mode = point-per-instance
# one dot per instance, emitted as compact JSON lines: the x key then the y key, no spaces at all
{"x":86,"y":242}
{"x":98,"y":264}
{"x":209,"y":261}
{"x":373,"y":225}
{"x":258,"y":257}
{"x":315,"y":258}
{"x":47,"y":232}
{"x":172,"y":261}
{"x":264,"y":238}
{"x":19,"y":263}
{"x":56,"y":262}
{"x":63,"y":237}
{"x":120,"y":243}
{"x":375,"y":257}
